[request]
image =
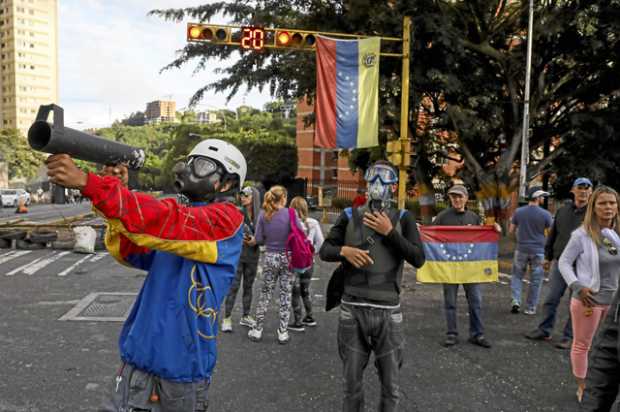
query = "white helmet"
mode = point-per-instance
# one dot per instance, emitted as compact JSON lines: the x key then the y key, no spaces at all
{"x":227,"y":154}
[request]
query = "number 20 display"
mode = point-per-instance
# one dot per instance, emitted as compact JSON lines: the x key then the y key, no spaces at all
{"x":253,"y":38}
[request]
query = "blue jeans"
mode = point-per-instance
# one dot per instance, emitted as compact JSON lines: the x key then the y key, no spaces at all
{"x":557,"y":287}
{"x":519,"y":266}
{"x":362,"y":330}
{"x":474,"y":301}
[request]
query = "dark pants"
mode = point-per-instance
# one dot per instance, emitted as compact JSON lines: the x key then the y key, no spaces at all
{"x":301,"y":291}
{"x":247,"y":271}
{"x":132,"y":390}
{"x":557,"y":287}
{"x":603,"y":379}
{"x":474,"y":301}
{"x":362,"y":330}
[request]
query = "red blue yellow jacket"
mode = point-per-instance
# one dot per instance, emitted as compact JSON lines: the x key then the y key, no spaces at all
{"x":191,"y":254}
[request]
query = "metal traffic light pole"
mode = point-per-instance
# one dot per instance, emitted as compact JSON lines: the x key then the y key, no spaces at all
{"x":221,"y":34}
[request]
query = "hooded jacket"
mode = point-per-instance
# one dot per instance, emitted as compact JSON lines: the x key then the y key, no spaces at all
{"x":191,"y":254}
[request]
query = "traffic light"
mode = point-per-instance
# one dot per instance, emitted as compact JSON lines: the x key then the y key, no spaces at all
{"x":399,"y":152}
{"x":294,"y":39}
{"x":208,"y":33}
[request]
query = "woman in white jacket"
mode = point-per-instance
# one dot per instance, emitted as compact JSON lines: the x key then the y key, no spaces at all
{"x":301,"y":286}
{"x":590,"y":265}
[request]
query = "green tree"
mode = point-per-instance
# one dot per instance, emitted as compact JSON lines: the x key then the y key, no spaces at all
{"x":23,"y":162}
{"x":468,"y":62}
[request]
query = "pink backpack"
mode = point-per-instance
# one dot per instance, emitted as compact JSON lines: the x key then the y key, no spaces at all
{"x":298,"y":247}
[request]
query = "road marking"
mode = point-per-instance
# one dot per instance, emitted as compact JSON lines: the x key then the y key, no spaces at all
{"x":31,"y":270}
{"x":99,"y":256}
{"x":19,"y":269}
{"x":13,"y":254}
{"x":73,"y":266}
{"x":315,"y":278}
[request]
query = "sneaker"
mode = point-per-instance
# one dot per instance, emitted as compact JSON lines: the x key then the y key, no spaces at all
{"x":480,"y":341}
{"x":537,"y":334}
{"x":283,"y":336}
{"x":309,"y":321}
{"x":255,"y":334}
{"x":247,"y":321}
{"x":451,"y":340}
{"x":515,"y":308}
{"x":296,"y":326}
{"x":226,"y":325}
{"x":564,"y":344}
{"x":529,"y":312}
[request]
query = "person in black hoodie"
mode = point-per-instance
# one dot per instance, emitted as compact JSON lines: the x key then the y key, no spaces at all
{"x":373,"y":242}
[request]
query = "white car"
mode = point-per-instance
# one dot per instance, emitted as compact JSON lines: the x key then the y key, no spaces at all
{"x":11,"y":197}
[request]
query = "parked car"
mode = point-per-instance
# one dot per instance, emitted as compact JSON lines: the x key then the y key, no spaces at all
{"x":11,"y":197}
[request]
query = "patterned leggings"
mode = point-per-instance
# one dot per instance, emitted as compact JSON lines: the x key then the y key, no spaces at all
{"x":275,"y":268}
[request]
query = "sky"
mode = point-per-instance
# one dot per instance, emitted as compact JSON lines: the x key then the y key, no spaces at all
{"x":110,"y":56}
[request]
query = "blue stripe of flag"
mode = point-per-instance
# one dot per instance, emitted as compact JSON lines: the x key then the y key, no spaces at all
{"x":347,"y":76}
{"x":460,"y":252}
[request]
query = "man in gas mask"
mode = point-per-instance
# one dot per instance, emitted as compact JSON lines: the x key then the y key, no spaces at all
{"x":167,"y":344}
{"x":372,"y":242}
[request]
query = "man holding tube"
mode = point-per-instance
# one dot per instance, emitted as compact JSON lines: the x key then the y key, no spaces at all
{"x":167,"y":344}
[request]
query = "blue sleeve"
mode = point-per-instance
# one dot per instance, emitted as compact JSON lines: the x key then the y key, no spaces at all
{"x":515,"y":220}
{"x":548,"y":219}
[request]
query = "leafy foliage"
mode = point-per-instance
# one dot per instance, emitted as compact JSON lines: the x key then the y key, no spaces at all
{"x":23,"y":162}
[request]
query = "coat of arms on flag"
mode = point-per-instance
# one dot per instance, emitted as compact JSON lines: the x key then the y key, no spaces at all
{"x":347,"y":93}
{"x":459,"y":254}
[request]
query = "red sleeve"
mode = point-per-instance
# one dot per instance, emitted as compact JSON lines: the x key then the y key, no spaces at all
{"x":165,"y":219}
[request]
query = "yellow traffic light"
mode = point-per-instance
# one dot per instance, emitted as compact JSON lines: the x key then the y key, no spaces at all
{"x":208,"y":33}
{"x":285,"y":38}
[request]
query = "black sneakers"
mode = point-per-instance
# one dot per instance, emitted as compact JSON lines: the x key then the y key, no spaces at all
{"x":537,"y":334}
{"x":515,"y":308}
{"x":480,"y":341}
{"x":296,"y":326}
{"x":308,"y":321}
{"x":451,"y":340}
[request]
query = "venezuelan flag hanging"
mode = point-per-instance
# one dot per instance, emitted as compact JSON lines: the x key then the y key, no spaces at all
{"x":347,"y":93}
{"x":459,"y":254}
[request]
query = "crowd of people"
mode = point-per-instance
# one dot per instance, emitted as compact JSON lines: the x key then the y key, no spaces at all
{"x":215,"y":242}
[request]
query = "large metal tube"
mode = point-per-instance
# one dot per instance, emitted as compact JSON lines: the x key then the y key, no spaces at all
{"x":56,"y":138}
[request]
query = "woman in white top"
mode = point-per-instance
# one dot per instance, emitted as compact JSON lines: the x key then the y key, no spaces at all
{"x":590,"y":265}
{"x":301,"y":285}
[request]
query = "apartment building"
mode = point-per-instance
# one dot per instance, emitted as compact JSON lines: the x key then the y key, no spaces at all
{"x":28,"y":60}
{"x":160,"y":111}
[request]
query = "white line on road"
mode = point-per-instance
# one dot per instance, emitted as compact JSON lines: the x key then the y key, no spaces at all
{"x":73,"y":266}
{"x":31,"y":270}
{"x":12,"y":255}
{"x":99,"y":256}
{"x":22,"y":267}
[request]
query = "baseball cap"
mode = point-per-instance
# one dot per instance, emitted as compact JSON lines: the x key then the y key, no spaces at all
{"x":537,"y":192}
{"x":582,"y":181}
{"x":246,"y":191}
{"x":458,"y":190}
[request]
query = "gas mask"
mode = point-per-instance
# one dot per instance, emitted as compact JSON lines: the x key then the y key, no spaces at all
{"x":380,"y":178}
{"x":198,"y":178}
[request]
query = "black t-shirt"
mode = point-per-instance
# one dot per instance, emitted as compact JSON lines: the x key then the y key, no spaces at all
{"x":451,"y":217}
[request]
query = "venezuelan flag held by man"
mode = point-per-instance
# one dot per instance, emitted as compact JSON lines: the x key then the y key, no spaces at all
{"x":459,"y":254}
{"x":347,"y":93}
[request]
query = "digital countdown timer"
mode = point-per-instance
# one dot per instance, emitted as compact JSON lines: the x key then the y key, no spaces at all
{"x":252,"y":38}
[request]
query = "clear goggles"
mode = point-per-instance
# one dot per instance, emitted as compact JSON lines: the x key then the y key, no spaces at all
{"x":202,"y":166}
{"x":386,"y":174}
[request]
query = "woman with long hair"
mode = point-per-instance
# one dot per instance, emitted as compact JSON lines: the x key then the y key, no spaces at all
{"x":301,"y":285}
{"x":249,"y":197}
{"x":272,"y":230}
{"x":590,"y":264}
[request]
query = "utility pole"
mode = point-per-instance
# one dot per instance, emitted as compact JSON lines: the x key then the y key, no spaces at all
{"x":525,"y":147}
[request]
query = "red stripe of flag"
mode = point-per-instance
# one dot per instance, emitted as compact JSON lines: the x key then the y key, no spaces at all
{"x":325,"y":105}
{"x":458,"y":234}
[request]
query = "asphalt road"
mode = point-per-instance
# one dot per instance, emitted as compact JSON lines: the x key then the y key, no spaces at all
{"x":45,"y":212}
{"x":49,"y":364}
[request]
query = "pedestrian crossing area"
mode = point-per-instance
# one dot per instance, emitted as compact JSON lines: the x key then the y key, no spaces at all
{"x":48,"y":262}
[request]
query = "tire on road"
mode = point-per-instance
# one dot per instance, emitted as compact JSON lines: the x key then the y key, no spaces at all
{"x":43,"y":236}
{"x":28,"y":245}
{"x":12,"y":234}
